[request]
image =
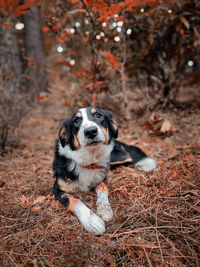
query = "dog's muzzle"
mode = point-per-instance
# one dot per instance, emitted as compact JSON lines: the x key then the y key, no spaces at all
{"x":90,"y":135}
{"x":91,"y":132}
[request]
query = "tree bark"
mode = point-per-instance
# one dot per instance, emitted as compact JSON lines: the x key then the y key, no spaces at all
{"x":34,"y":50}
{"x":9,"y":57}
{"x":10,"y":81}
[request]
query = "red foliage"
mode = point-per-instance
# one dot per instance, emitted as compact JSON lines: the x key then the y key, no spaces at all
{"x":7,"y":24}
{"x":4,"y":75}
{"x":19,"y":10}
{"x":31,"y":63}
{"x":46,"y":29}
{"x":65,"y":62}
{"x":41,"y":98}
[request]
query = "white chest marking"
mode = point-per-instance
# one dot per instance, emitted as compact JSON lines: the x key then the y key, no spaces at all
{"x":99,"y":154}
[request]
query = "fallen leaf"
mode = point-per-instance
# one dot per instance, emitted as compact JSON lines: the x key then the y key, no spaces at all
{"x":173,"y":152}
{"x":39,"y":200}
{"x":35,"y":208}
{"x":158,"y":125}
{"x":25,"y":201}
{"x":166,"y":127}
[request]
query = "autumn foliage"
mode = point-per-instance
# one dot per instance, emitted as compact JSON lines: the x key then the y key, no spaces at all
{"x":156,"y":59}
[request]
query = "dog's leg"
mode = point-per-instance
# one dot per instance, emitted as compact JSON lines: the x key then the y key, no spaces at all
{"x":146,"y":164}
{"x":103,"y":206}
{"x":86,"y":216}
{"x":122,"y":153}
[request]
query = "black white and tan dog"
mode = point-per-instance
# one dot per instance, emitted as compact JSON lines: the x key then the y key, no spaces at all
{"x":86,"y":147}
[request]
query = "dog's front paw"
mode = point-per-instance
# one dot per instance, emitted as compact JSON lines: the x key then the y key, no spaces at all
{"x":90,"y":221}
{"x":146,"y":164}
{"x":105,"y":211}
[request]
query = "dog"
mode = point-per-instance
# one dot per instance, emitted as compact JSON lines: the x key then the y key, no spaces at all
{"x":86,"y":147}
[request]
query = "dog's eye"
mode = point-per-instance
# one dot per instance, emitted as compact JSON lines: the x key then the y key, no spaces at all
{"x":98,"y":115}
{"x":76,"y":121}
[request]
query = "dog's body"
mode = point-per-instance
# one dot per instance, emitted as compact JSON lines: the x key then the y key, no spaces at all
{"x":85,"y":149}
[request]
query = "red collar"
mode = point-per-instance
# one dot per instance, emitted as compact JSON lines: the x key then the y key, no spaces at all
{"x":93,"y":166}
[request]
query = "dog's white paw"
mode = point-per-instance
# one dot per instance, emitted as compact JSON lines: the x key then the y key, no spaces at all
{"x":146,"y":164}
{"x":90,"y":221}
{"x":104,"y":209}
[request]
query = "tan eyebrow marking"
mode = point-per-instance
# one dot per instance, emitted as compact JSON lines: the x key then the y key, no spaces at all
{"x":78,"y":115}
{"x":93,"y":110}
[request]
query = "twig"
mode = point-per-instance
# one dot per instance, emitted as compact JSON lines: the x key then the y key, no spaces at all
{"x":148,"y":259}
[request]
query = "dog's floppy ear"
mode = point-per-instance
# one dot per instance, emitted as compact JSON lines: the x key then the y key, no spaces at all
{"x":111,"y":123}
{"x":64,"y":133}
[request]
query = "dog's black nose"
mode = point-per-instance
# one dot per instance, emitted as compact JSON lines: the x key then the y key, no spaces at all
{"x":91,"y":132}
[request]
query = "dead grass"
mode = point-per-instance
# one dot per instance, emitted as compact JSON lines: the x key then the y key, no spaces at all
{"x":157,"y":215}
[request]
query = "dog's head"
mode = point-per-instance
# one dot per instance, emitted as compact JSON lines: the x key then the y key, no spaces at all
{"x":88,"y":127}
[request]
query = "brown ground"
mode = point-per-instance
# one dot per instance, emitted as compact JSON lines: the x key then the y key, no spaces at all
{"x":157,"y":215}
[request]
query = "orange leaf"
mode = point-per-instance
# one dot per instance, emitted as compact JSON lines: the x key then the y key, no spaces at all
{"x":3,"y":76}
{"x":65,"y":62}
{"x":35,"y":208}
{"x":16,"y":14}
{"x":25,"y":201}
{"x":41,"y":98}
{"x":75,"y":1}
{"x":65,"y":103}
{"x":14,"y":3}
{"x":7,"y":24}
{"x":60,"y":40}
{"x":63,"y":37}
{"x":5,"y":4}
{"x":112,"y":60}
{"x":27,"y":5}
{"x":121,"y":19}
{"x":31,"y":63}
{"x":88,"y":3}
{"x":39,"y":200}
{"x":57,"y":27}
{"x":129,"y":9}
{"x":94,"y":97}
{"x":45,"y":29}
{"x":115,"y":8}
{"x":181,"y":31}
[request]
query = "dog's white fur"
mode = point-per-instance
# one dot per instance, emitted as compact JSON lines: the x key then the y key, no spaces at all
{"x":92,"y":222}
{"x":146,"y":164}
{"x":104,"y":209}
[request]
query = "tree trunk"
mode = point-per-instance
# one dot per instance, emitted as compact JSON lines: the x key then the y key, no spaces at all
{"x":34,"y":50}
{"x":10,"y":65}
{"x":10,"y":81}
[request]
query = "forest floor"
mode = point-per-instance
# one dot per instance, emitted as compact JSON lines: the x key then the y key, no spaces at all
{"x":157,"y":214}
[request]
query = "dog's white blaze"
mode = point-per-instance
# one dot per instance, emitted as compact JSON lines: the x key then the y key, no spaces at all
{"x":89,"y":219}
{"x":146,"y":164}
{"x":87,"y":123}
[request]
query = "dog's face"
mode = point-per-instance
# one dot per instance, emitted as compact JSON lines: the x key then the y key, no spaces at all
{"x":88,"y":127}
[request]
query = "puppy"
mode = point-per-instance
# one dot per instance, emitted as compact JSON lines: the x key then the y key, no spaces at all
{"x":86,"y":147}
